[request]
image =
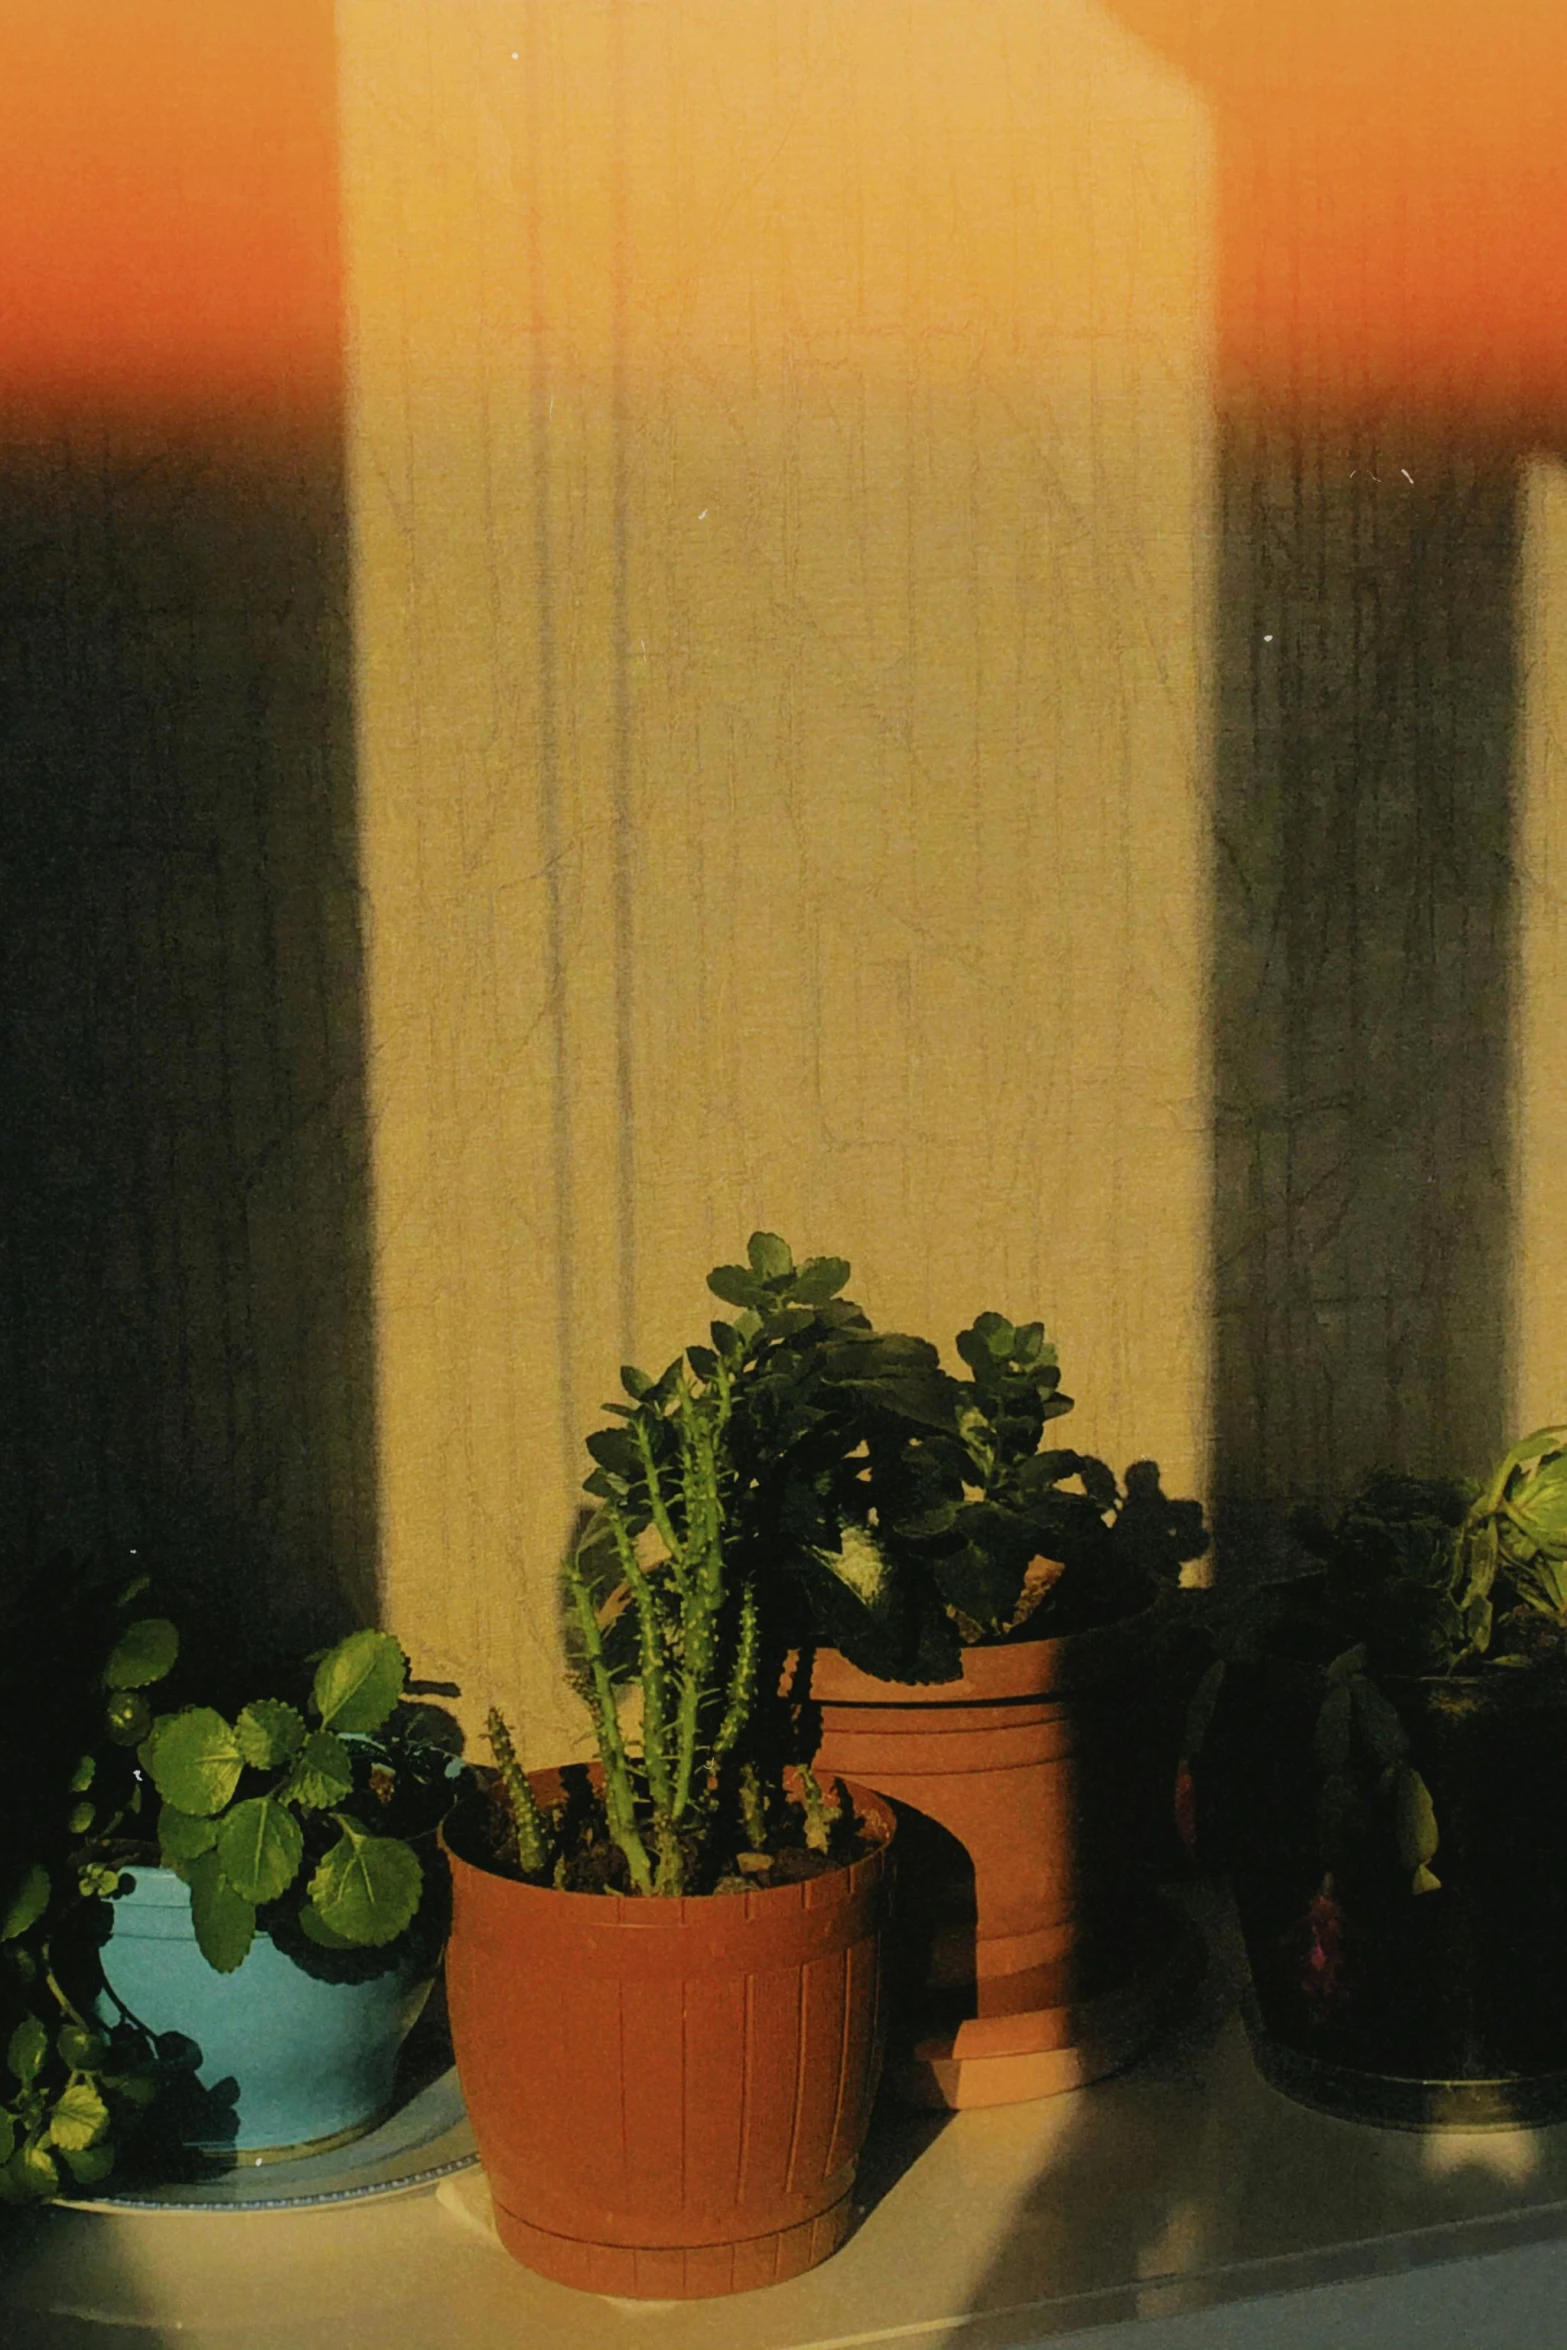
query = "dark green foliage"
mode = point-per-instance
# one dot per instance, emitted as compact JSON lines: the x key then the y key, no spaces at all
{"x":1420,"y":1577}
{"x":983,"y":1521}
{"x":74,"y":1656}
{"x":1423,"y":1570}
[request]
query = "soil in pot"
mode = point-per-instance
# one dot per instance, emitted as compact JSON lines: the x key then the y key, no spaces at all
{"x":1441,"y":2009}
{"x":669,"y":2095}
{"x":1033,"y":1953}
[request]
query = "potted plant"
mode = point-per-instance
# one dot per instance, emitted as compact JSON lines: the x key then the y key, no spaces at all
{"x":664,"y":1971}
{"x":1000,"y":1676}
{"x":281,"y":1935}
{"x":74,"y":1653}
{"x":1377,"y":1757}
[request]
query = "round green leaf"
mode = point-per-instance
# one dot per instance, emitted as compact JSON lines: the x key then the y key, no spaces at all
{"x":268,"y":1732}
{"x":89,"y":2166}
{"x":183,"y":1837}
{"x":79,"y":2117}
{"x":29,"y":2176}
{"x":84,"y":1774}
{"x":132,"y":2088}
{"x":144,"y":1653}
{"x":224,"y":1920}
{"x":81,"y":1818}
{"x":195,"y":1760}
{"x":82,"y":2050}
{"x":367,"y":1887}
{"x":322,"y":1775}
{"x":260,"y":1847}
{"x":27,"y":1904}
{"x":358,"y":1682}
{"x":771,"y":1258}
{"x":128,"y":1716}
{"x":26,"y":2050}
{"x":315,"y":1928}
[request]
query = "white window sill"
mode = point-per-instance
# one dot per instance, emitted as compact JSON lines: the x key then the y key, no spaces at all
{"x":1168,"y":2209}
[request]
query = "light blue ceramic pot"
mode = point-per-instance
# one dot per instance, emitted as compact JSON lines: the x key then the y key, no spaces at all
{"x":287,"y":2060}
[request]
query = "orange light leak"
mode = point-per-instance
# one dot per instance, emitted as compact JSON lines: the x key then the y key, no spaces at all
{"x":168,"y":209}
{"x":1392,"y":201}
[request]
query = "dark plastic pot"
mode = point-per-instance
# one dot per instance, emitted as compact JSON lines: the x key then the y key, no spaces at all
{"x":669,"y":2096}
{"x":1442,"y":2009}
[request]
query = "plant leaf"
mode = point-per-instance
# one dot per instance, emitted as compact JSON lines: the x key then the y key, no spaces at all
{"x":367,"y":1887}
{"x":323,"y":1773}
{"x":268,"y":1732}
{"x":358,"y":1682}
{"x":182,"y":1836}
{"x":771,"y":1259}
{"x":736,"y":1286}
{"x":1377,"y":1718}
{"x":260,"y":1847}
{"x":81,"y":2050}
{"x":30,"y":2176}
{"x":127,"y":1717}
{"x":27,"y":1904}
{"x":819,"y":1279}
{"x":224,"y":1920}
{"x":1414,"y":1820}
{"x":89,"y":2166}
{"x":79,"y":2117}
{"x":195,"y":1760}
{"x":315,"y":1928}
{"x":26,"y":2049}
{"x":145,"y":1651}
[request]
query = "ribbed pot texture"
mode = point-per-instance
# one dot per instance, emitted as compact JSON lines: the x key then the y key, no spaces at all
{"x":1027,"y":1798}
{"x":669,"y":2096}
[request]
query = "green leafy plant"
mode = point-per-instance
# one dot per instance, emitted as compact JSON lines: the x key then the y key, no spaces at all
{"x":1423,"y":1577}
{"x":984,"y":1532}
{"x":75,"y":1667}
{"x":1435,"y":1574}
{"x":272,"y":1815}
{"x":805,"y":1479}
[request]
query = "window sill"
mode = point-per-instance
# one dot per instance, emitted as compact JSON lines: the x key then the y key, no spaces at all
{"x":1168,"y":2207}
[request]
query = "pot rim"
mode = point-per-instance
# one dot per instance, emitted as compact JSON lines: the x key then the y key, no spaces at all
{"x":875,"y":1812}
{"x":989,"y":1670}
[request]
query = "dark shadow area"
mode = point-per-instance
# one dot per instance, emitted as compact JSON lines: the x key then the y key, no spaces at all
{"x":184,"y":1254}
{"x":1367,"y":696}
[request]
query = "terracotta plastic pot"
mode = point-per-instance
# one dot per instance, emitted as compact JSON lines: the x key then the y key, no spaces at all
{"x":1032,"y":1953}
{"x":669,"y":2096}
